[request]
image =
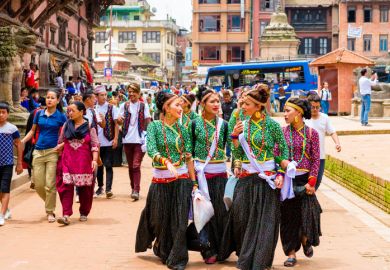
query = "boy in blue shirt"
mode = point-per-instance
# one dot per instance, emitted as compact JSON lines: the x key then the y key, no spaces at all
{"x":9,"y":136}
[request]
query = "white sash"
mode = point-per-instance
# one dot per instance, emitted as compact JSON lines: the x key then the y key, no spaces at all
{"x":157,"y":173}
{"x":199,"y":167}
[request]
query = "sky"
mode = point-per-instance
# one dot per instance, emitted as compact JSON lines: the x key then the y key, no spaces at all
{"x":181,"y":10}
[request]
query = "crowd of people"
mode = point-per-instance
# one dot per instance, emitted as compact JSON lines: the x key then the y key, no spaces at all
{"x":190,"y":134}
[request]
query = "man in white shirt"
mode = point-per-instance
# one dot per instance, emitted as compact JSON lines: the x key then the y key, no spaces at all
{"x":321,"y":123}
{"x":136,"y":117}
{"x":108,"y":138}
{"x":365,"y":91}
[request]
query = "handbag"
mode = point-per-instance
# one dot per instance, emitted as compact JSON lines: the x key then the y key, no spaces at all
{"x":28,"y":155}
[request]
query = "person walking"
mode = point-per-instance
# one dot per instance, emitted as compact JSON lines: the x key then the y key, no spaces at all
{"x":77,"y":163}
{"x":322,"y":124}
{"x":326,"y":96}
{"x":164,"y":219}
{"x":188,"y":114}
{"x":253,"y":224}
{"x":365,"y":85}
{"x":136,"y":117}
{"x":108,"y":139}
{"x":300,"y":216}
{"x":228,"y":106}
{"x":47,"y":123}
{"x":9,"y":136}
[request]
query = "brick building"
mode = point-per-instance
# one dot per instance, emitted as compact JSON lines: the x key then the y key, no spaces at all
{"x":65,"y":34}
{"x":372,"y":18}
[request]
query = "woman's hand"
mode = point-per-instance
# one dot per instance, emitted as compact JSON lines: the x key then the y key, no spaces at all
{"x":172,"y":169}
{"x":279,"y":181}
{"x":309,"y":189}
{"x":237,"y":172}
{"x":94,"y":165}
{"x":284,"y":164}
{"x":59,"y":148}
{"x":338,"y":147}
{"x":238,"y":128}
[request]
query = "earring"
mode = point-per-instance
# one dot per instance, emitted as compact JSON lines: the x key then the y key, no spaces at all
{"x":168,"y":115}
{"x":257,"y":114}
{"x":296,"y":119}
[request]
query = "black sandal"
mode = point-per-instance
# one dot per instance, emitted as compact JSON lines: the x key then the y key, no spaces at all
{"x":290,"y":262}
{"x":308,"y":250}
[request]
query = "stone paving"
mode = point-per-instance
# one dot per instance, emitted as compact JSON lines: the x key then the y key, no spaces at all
{"x":106,"y":241}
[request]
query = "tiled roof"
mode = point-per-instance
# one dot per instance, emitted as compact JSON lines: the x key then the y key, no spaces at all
{"x":342,"y":55}
{"x":309,"y":3}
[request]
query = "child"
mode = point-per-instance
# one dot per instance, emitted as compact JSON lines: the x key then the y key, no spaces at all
{"x":9,"y":135}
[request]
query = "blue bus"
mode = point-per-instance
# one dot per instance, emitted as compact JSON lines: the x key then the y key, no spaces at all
{"x":295,"y":73}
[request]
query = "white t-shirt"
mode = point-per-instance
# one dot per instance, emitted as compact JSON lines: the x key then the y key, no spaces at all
{"x":323,"y":127}
{"x":132,"y":135}
{"x":365,"y":85}
{"x":103,"y":109}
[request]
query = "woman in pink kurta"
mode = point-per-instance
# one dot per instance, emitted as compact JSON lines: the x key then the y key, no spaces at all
{"x":77,"y":163}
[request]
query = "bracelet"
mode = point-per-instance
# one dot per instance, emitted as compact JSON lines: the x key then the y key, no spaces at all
{"x":234,"y":137}
{"x":195,"y":183}
{"x":312,"y":181}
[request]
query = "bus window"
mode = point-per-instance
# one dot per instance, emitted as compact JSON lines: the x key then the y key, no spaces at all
{"x":216,"y":80}
{"x":294,"y":75}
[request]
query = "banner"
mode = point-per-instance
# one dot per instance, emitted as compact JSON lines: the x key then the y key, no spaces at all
{"x":354,"y":32}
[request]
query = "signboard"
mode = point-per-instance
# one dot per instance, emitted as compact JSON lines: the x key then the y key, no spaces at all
{"x":108,"y":73}
{"x":354,"y":32}
{"x":242,"y":8}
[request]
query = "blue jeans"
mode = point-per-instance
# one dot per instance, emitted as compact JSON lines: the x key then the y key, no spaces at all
{"x":320,"y":173}
{"x":325,"y":106}
{"x":366,"y":106}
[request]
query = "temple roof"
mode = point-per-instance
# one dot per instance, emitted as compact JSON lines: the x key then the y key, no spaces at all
{"x":342,"y":55}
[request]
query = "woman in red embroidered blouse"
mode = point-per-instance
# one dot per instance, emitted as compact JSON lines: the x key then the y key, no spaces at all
{"x":77,"y":164}
{"x":300,"y":216}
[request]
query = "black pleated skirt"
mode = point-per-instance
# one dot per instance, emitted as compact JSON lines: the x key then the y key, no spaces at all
{"x":301,"y":216}
{"x":164,"y":220}
{"x":253,"y":224}
{"x":217,"y":223}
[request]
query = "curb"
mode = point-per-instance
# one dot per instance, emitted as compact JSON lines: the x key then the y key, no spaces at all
{"x":363,"y":132}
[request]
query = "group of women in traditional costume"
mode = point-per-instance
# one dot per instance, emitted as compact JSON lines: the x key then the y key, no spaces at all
{"x":275,"y":170}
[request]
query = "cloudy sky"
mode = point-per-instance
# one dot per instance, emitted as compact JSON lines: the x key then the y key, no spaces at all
{"x":181,"y":10}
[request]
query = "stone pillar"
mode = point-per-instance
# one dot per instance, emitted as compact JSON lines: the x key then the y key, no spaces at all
{"x":386,"y":108}
{"x":44,"y":73}
{"x":355,"y":107}
{"x":376,"y":108}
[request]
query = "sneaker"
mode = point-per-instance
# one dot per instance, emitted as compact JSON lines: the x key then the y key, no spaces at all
{"x":135,"y":196}
{"x":109,"y":194}
{"x":51,"y":218}
{"x":99,"y":192}
{"x":7,"y":215}
{"x":77,"y":199}
{"x":2,"y":220}
{"x":83,"y":218}
{"x":63,"y":220}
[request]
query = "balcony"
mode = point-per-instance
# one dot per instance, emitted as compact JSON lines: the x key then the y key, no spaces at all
{"x":310,"y":26}
{"x":105,"y":22}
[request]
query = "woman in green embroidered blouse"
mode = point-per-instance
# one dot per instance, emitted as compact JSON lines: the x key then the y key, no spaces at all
{"x":253,"y":224}
{"x":203,"y":134}
{"x":164,"y":219}
{"x":188,"y":114}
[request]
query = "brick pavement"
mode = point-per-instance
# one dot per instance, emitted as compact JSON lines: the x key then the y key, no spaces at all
{"x":106,"y":241}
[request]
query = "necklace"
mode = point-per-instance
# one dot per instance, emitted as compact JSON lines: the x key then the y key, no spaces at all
{"x":207,"y":138}
{"x":136,"y":116}
{"x":262,"y":137}
{"x":166,"y":143}
{"x":291,"y":150}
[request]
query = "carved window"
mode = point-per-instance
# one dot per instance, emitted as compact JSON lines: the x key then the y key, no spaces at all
{"x":367,"y":43}
{"x":63,"y":24}
{"x":70,"y":44}
{"x":83,"y":43}
{"x":53,"y":36}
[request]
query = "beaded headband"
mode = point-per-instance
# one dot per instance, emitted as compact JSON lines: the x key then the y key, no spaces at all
{"x":169,"y":101}
{"x":296,"y":107}
{"x":207,"y":96}
{"x":186,"y":100}
{"x":253,"y":99}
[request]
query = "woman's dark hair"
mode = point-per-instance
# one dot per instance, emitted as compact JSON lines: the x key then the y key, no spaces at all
{"x":324,"y":82}
{"x":59,"y":97}
{"x":190,"y":97}
{"x":203,"y":91}
{"x":304,"y":104}
{"x":314,"y":98}
{"x":23,"y":88}
{"x":4,"y":106}
{"x":260,"y":93}
{"x":80,"y":106}
{"x":161,"y":99}
{"x":87,"y":95}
